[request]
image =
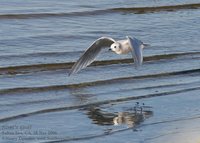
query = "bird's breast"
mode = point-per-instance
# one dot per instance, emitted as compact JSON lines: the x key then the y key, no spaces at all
{"x":125,"y":49}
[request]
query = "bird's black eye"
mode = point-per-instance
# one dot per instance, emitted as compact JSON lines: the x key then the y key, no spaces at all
{"x":115,"y":46}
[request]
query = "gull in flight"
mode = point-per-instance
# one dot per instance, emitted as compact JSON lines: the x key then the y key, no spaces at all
{"x":125,"y":46}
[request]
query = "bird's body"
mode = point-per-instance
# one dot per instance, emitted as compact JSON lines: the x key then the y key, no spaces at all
{"x":132,"y":45}
{"x":125,"y":47}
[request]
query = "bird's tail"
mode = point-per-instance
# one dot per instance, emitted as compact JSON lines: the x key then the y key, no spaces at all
{"x":146,"y":45}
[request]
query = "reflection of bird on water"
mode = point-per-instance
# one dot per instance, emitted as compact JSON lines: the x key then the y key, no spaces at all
{"x":132,"y":117}
{"x":99,"y":116}
{"x":128,"y":118}
{"x":132,"y":45}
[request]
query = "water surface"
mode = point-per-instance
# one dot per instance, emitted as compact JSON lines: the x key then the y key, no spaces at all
{"x":40,"y":41}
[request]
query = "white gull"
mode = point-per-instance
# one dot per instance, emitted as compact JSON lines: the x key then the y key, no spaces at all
{"x":125,"y":46}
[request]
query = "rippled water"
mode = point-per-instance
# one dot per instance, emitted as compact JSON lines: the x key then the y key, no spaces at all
{"x":39,"y":42}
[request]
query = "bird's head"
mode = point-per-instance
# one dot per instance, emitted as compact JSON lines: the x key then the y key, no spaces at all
{"x":116,"y":47}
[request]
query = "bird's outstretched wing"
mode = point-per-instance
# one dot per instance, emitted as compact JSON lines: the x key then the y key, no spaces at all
{"x":137,"y":47}
{"x":88,"y":57}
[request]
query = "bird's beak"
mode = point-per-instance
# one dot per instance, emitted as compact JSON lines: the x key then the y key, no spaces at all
{"x":109,"y":49}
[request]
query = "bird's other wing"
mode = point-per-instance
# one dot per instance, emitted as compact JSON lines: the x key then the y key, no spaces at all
{"x":88,"y":57}
{"x":136,"y":47}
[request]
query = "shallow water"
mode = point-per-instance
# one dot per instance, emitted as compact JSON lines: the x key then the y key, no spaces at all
{"x":40,"y":41}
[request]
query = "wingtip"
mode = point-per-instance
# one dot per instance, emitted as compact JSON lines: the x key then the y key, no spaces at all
{"x":69,"y":73}
{"x":137,"y":66}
